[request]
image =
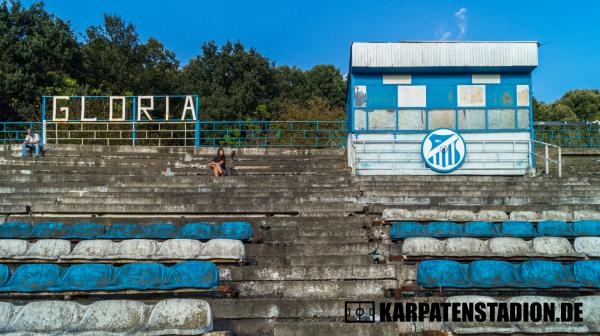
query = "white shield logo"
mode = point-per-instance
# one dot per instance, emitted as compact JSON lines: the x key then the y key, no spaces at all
{"x":444,"y":150}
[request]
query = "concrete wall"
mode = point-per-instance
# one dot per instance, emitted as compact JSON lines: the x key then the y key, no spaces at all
{"x":400,"y":154}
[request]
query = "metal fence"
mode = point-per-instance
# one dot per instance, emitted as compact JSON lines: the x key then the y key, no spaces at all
{"x":183,"y":133}
{"x":568,"y":134}
{"x":246,"y":133}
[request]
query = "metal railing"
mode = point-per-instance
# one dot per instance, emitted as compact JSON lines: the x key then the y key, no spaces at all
{"x":568,"y":134}
{"x":14,"y":132}
{"x":400,"y":146}
{"x":184,"y":133}
{"x":408,"y":147}
{"x":547,"y":159}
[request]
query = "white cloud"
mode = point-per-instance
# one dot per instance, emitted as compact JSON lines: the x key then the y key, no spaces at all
{"x":461,"y":17}
{"x":442,"y":33}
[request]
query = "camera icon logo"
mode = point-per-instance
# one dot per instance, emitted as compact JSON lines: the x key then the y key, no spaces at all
{"x":359,"y":312}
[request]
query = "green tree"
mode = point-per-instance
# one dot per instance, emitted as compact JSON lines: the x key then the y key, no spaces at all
{"x":233,"y":80}
{"x":117,"y":62}
{"x":584,"y":103}
{"x":38,"y":55}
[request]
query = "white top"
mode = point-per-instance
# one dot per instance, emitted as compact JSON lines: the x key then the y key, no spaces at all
{"x":33,"y":138}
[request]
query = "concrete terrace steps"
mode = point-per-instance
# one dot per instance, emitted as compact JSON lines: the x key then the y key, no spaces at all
{"x":316,"y":223}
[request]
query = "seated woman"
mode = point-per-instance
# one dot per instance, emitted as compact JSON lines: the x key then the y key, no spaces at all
{"x":218,"y":163}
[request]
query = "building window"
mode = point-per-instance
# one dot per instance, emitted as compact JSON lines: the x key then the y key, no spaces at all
{"x":471,"y":119}
{"x":471,"y":95}
{"x":412,"y":96}
{"x":382,"y":119}
{"x":523,"y":118}
{"x":360,"y":96}
{"x":501,"y":118}
{"x":411,"y":119}
{"x":360,"y":119}
{"x":522,"y":95}
{"x":442,"y":118}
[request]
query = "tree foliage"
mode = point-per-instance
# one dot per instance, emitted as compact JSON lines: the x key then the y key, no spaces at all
{"x":576,"y":105}
{"x":42,"y":56}
{"x":38,"y":52}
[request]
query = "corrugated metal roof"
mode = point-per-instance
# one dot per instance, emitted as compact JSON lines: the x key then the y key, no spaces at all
{"x":444,"y":54}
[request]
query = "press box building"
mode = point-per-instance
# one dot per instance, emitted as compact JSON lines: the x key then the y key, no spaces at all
{"x":400,"y":92}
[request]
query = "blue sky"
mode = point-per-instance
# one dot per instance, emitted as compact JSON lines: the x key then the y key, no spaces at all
{"x":314,"y":32}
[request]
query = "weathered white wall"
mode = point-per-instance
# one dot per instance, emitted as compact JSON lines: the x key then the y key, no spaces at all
{"x":404,"y":156}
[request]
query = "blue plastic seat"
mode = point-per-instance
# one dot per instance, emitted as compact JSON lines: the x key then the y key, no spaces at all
{"x":547,"y":274}
{"x":123,"y":231}
{"x":442,"y":273}
{"x":20,"y":230}
{"x":141,"y":276}
{"x":192,"y":274}
{"x":587,"y":273}
{"x":33,"y":278}
{"x":517,"y":229}
{"x":86,"y":277}
{"x":4,"y":274}
{"x":555,"y":229}
{"x":492,"y":273}
{"x":85,"y":231}
{"x":401,"y":230}
{"x":201,"y":231}
{"x":587,"y":228}
{"x":481,"y":229}
{"x":444,"y":229}
{"x":234,"y":230}
{"x":159,"y":231}
{"x":49,"y":230}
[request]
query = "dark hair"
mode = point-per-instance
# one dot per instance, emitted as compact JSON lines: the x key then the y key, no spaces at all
{"x":221,"y":157}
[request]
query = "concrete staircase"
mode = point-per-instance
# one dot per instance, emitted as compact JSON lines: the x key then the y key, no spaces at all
{"x":314,"y":217}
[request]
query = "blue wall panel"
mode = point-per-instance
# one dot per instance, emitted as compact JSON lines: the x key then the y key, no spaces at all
{"x":367,"y":79}
{"x":498,"y":96}
{"x":441,"y":79}
{"x":515,"y":78}
{"x":382,"y":96}
{"x":441,"y":96}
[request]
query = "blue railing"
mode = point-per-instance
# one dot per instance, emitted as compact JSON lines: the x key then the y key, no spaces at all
{"x":568,"y":134}
{"x":185,"y":133}
{"x":246,"y":133}
{"x":273,"y":133}
{"x":14,"y":132}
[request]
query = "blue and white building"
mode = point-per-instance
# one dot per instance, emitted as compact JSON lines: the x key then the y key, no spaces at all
{"x":481,"y":92}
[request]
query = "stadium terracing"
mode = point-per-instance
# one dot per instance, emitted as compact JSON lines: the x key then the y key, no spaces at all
{"x":438,"y":207}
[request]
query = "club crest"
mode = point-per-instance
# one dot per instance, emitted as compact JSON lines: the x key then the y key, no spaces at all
{"x":443,"y":150}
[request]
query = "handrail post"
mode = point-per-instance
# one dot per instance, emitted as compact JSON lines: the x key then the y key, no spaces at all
{"x":559,"y":162}
{"x":546,"y":159}
{"x":44,"y":120}
{"x":134,"y":116}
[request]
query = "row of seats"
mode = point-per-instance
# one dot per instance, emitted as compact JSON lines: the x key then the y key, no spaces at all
{"x":114,"y":317}
{"x":502,"y":246}
{"x":401,"y":230}
{"x":133,"y":249}
{"x":202,"y":231}
{"x":495,"y":273}
{"x":589,"y":309}
{"x":94,"y":277}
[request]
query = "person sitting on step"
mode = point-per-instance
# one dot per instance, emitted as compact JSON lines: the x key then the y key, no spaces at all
{"x":32,"y":141}
{"x":218,"y":163}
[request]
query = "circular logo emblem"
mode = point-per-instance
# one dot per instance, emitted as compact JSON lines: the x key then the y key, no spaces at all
{"x":443,"y":150}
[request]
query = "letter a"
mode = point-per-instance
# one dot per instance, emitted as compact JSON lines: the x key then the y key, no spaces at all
{"x":189,"y":105}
